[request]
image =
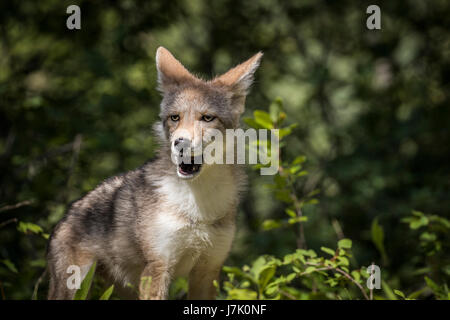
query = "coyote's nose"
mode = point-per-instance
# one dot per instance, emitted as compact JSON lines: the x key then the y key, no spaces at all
{"x":178,"y":141}
{"x":181,"y":143}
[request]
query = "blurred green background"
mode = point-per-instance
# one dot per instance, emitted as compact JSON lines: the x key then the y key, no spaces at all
{"x":372,"y":107}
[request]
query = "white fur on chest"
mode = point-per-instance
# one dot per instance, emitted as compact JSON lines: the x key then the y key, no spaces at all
{"x":183,"y":227}
{"x":210,"y":197}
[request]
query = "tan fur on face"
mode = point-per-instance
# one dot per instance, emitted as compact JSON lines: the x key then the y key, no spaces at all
{"x":190,"y":106}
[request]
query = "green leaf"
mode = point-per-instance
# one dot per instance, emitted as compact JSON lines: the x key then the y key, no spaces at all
{"x":287,"y":130}
{"x":270,"y":224}
{"x":9,"y":265}
{"x":399,"y":293}
{"x":417,"y":213}
{"x":388,"y":291}
{"x":313,"y":193}
{"x":238,"y":272}
{"x":271,"y":289}
{"x":28,"y":227}
{"x":294,"y":169}
{"x":299,"y":160}
{"x":377,"y":234}
{"x":275,"y":109}
{"x":343,"y":260}
{"x":283,"y":195}
{"x":311,"y":201}
{"x":345,"y":244}
{"x":328,"y":250}
{"x":290,"y":277}
{"x":263,"y":119}
{"x":310,"y":269}
{"x":107,"y":294}
{"x":356,"y":275}
{"x":38,"y":263}
{"x":418,"y":220}
{"x":297,"y":219}
{"x":252,"y":123}
{"x":82,"y":293}
{"x":416,"y":294}
{"x":291,"y":213}
{"x":440,"y":220}
{"x":331,"y":282}
{"x":265,"y":276}
{"x":330,"y":263}
{"x":416,"y":224}
{"x":302,"y":173}
{"x":242,"y":294}
{"x":433,"y":286}
{"x":428,"y":236}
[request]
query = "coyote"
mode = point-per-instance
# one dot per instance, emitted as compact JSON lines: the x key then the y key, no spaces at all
{"x":167,"y":218}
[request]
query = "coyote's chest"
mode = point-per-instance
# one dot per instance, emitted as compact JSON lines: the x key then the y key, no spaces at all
{"x":186,"y":225}
{"x":208,"y":199}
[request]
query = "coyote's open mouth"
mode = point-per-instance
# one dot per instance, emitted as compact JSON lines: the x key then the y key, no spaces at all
{"x":188,"y":170}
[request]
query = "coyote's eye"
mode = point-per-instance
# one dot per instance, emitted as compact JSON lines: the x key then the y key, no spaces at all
{"x":207,"y":118}
{"x":175,"y":117}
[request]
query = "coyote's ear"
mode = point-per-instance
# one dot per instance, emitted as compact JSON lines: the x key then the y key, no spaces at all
{"x":170,"y":71}
{"x":240,"y":78}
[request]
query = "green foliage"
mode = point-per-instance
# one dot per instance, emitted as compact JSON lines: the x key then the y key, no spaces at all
{"x":441,"y":292}
{"x":107,"y":294}
{"x":30,"y":228}
{"x":433,"y":237}
{"x":298,"y":275}
{"x":285,"y":181}
{"x":272,"y":278}
{"x":85,"y":286}
{"x":377,"y":233}
{"x":11,"y":267}
{"x":368,"y":109}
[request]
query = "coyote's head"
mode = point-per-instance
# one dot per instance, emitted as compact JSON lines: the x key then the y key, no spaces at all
{"x":192,"y":109}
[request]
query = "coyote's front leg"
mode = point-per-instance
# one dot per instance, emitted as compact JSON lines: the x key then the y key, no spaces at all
{"x":201,"y":280}
{"x":208,"y":266}
{"x":154,"y":282}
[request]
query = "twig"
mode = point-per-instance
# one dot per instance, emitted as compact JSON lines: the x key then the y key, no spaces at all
{"x":354,"y":281}
{"x":8,"y":222}
{"x":36,"y":285}
{"x":341,"y":272}
{"x":319,"y":269}
{"x":287,"y":294}
{"x":337,"y":228}
{"x":301,"y":241}
{"x":371,"y":287}
{"x":15,"y":206}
